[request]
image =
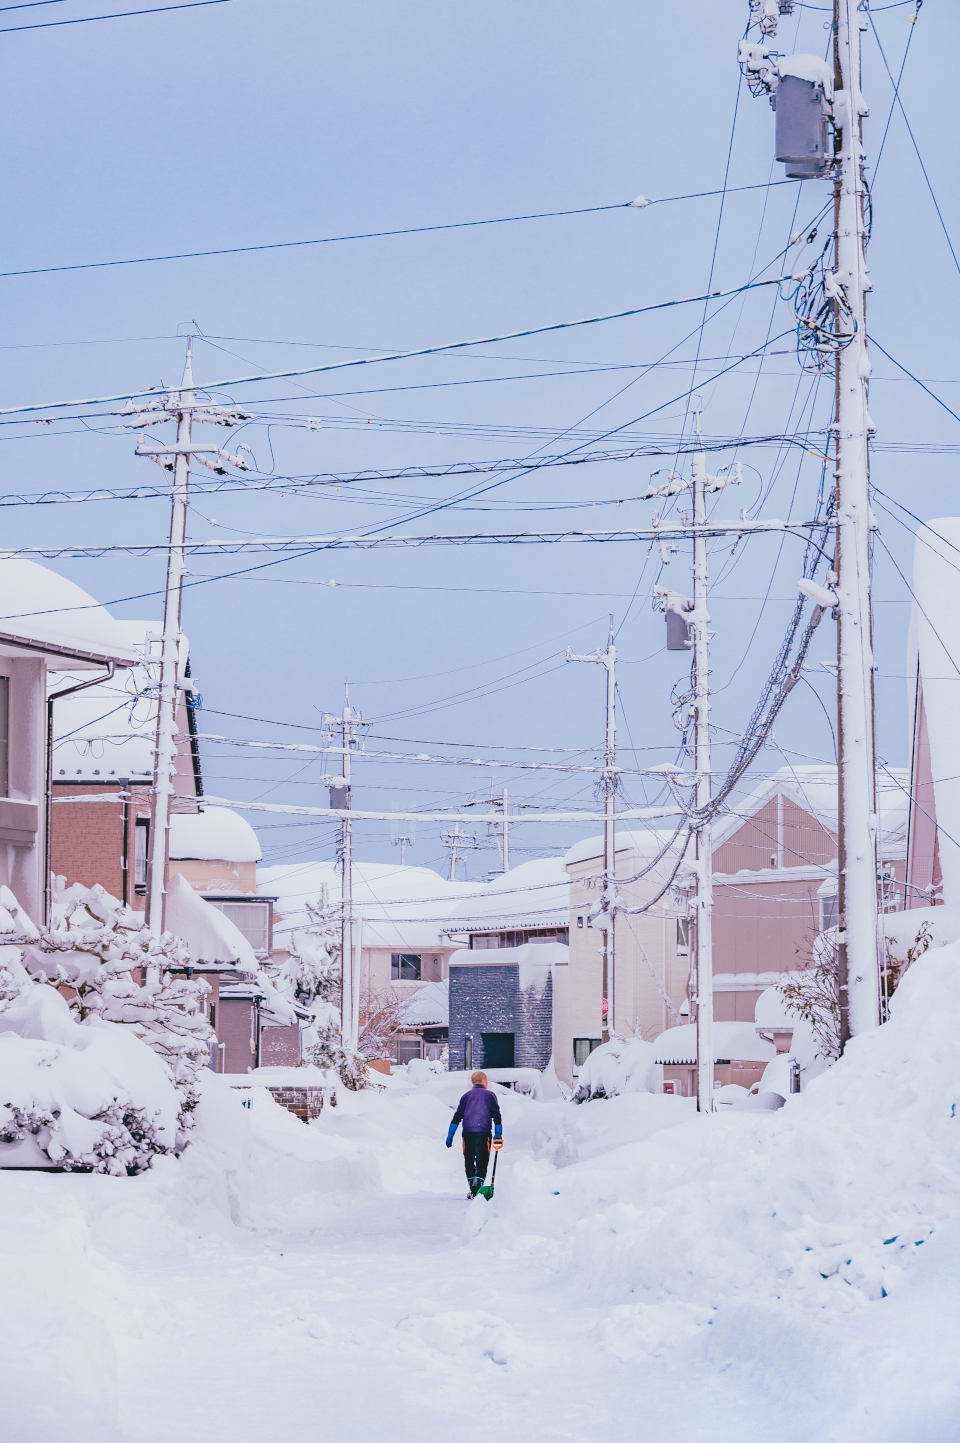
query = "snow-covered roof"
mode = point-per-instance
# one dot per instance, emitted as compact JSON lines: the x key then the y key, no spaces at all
{"x":216,"y":834}
{"x":40,"y":608}
{"x":737,"y":1041}
{"x":534,"y":960}
{"x":428,"y":1007}
{"x":641,"y":843}
{"x":814,"y":789}
{"x":535,"y":894}
{"x":398,"y":906}
{"x":934,"y":649}
{"x":210,"y":935}
{"x":108,"y":732}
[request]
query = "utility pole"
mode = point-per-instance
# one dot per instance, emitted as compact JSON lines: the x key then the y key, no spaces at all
{"x":606,"y":919}
{"x":181,"y":405}
{"x":858,"y":950}
{"x":703,"y":832}
{"x":694,"y":633}
{"x":347,"y":724}
{"x":456,"y":842}
{"x":500,"y":830}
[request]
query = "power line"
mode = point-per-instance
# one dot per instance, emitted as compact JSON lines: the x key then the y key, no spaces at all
{"x":115,"y":15}
{"x":227,"y":384}
{"x":354,"y":235}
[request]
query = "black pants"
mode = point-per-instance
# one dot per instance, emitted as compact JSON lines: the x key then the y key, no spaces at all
{"x":476,"y":1155}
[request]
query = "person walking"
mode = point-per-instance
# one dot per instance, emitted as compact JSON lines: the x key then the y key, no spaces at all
{"x":479,"y":1111}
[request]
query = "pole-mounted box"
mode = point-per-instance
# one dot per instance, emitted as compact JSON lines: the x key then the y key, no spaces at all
{"x":802,"y":102}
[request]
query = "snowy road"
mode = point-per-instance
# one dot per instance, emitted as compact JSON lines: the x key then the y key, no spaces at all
{"x":640,"y":1274}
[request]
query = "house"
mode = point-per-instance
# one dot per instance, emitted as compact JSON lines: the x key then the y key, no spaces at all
{"x":54,"y":640}
{"x":775,"y":877}
{"x":933,"y":700}
{"x":505,"y":990}
{"x":102,"y":775}
{"x":102,"y":772}
{"x":400,"y":918}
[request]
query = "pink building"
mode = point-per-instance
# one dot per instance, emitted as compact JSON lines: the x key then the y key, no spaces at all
{"x":775,"y":878}
{"x":933,"y":680}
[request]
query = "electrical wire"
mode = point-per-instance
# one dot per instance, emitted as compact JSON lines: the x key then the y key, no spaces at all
{"x":355,"y":235}
{"x":115,"y":15}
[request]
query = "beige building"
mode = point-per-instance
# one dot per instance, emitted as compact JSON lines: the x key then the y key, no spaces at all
{"x":651,"y":950}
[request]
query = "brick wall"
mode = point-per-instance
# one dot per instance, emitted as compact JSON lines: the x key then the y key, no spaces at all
{"x":490,"y":999}
{"x":304,"y":1102}
{"x":86,"y":838}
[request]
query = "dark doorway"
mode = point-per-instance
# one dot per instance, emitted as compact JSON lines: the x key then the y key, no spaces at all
{"x":497,"y":1049}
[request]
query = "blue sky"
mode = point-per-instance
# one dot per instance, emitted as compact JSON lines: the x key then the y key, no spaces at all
{"x":252,"y":122}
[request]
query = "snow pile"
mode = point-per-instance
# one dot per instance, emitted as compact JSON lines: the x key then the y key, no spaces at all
{"x":210,"y":936}
{"x":616,"y":1067}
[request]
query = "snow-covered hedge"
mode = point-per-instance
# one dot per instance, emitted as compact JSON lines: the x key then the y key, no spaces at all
{"x":101,"y":1047}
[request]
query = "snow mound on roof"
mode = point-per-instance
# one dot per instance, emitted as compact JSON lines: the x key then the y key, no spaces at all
{"x":210,"y":935}
{"x":645,"y":843}
{"x":430,"y":1007}
{"x":398,"y":906}
{"x":216,"y":834}
{"x":537,"y":893}
{"x":534,"y":960}
{"x":737,"y":1041}
{"x":40,"y":605}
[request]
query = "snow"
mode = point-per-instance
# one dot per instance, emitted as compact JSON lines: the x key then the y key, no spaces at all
{"x":737,"y":1041}
{"x":210,"y":936}
{"x":642,"y":1271}
{"x":39,"y":605}
{"x":534,"y":960}
{"x":644,"y":844}
{"x":535,"y":894}
{"x":215,"y":834}
{"x":66,"y":1085}
{"x":428,"y":1007}
{"x":808,"y":67}
{"x":398,"y":906}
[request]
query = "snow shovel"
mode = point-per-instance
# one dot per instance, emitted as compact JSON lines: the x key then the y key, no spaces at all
{"x":487,"y":1189}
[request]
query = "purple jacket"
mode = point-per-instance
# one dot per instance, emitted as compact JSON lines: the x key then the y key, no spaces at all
{"x":477,"y":1109}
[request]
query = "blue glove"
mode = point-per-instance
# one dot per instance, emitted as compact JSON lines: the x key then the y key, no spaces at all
{"x":497,"y":1136}
{"x":451,"y":1133}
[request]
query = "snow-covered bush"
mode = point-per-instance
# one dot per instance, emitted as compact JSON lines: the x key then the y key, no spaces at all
{"x":620,"y":1065}
{"x":106,"y":972}
{"x":89,"y":1096}
{"x":310,"y":975}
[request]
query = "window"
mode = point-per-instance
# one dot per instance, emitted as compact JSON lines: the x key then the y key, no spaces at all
{"x":141,"y":848}
{"x":468,"y":1054}
{"x":406,"y":1049}
{"x":4,"y":736}
{"x":829,"y":912}
{"x":683,"y":936}
{"x":405,"y":966}
{"x":252,"y":919}
{"x":582,"y":1048}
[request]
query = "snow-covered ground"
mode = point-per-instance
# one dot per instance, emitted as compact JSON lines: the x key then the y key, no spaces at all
{"x":642,"y":1273}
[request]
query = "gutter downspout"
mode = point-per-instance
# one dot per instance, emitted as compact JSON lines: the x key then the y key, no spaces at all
{"x":48,"y":784}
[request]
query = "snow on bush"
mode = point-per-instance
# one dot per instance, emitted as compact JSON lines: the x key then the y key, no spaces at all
{"x":103,"y":1073}
{"x":615,"y":1067}
{"x":310,"y":975}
